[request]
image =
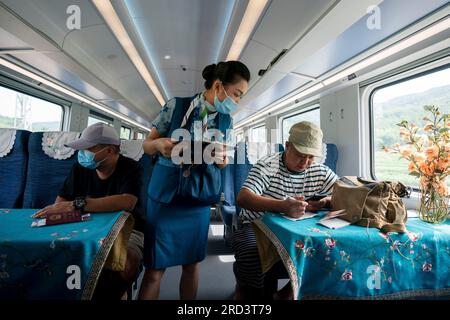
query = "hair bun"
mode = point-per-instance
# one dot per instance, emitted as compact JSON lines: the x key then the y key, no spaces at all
{"x":209,"y":72}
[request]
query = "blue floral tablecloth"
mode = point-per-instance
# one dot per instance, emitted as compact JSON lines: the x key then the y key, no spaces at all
{"x":54,"y":262}
{"x":362,"y":263}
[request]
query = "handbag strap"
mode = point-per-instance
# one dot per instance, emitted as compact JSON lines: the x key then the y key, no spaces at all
{"x":187,"y":118}
{"x":181,"y":108}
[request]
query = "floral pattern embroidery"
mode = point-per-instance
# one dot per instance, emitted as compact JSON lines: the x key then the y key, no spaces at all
{"x":49,"y":252}
{"x":385,"y":236}
{"x":299,"y":244}
{"x":347,"y":275}
{"x":310,"y":252}
{"x":53,"y":144}
{"x":427,"y":267}
{"x":335,"y":262}
{"x":413,"y":236}
{"x":330,"y":242}
{"x":358,"y":262}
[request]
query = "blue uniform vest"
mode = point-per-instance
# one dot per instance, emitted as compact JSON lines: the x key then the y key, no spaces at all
{"x":165,"y":179}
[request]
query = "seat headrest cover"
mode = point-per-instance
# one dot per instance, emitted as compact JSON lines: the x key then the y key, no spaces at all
{"x":132,"y":149}
{"x":53,"y":144}
{"x":7,"y":139}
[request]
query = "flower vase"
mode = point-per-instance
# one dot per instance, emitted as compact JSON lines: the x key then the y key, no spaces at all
{"x":433,"y":206}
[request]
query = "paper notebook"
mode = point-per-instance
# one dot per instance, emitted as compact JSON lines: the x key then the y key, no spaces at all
{"x":331,"y":220}
{"x":334,"y":223}
{"x":307,"y":215}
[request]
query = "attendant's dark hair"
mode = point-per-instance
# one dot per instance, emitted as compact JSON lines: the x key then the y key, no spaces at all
{"x":228,"y":72}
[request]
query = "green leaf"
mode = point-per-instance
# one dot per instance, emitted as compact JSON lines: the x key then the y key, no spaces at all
{"x":415,"y":174}
{"x":404,"y":124}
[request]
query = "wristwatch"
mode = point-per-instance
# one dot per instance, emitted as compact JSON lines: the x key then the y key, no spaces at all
{"x":79,"y":203}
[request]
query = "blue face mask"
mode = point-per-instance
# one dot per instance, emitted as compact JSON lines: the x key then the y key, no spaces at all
{"x":86,"y":159}
{"x":226,"y":106}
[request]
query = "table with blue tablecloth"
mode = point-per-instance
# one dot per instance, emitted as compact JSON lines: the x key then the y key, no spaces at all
{"x":355,"y":262}
{"x":62,"y":261}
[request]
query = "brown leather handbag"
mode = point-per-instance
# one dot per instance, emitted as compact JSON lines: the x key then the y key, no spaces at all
{"x":371,"y":203}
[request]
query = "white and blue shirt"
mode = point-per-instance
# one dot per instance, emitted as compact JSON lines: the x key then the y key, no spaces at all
{"x":270,"y":177}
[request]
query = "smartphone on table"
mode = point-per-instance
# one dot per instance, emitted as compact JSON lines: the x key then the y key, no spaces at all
{"x":316,"y":197}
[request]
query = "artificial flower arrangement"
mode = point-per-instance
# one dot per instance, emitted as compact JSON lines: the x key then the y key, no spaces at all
{"x":428,"y":151}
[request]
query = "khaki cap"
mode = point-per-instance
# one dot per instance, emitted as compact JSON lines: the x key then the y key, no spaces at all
{"x":306,"y":137}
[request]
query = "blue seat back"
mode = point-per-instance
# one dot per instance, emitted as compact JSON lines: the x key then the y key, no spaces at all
{"x":243,"y":166}
{"x":13,"y":172}
{"x":133,"y":149}
{"x":242,"y":169}
{"x":45,"y":176}
{"x":228,"y":183}
{"x":331,"y":156}
{"x":146,"y":163}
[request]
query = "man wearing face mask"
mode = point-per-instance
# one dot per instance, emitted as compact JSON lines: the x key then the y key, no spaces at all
{"x":103,"y":180}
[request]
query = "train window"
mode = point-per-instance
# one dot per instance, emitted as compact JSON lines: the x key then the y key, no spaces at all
{"x":22,"y":111}
{"x":259,"y":134}
{"x":95,"y":117}
{"x":403,"y":100}
{"x":140,"y":136}
{"x":125,"y":133}
{"x":312,"y":115}
{"x":239,"y":137}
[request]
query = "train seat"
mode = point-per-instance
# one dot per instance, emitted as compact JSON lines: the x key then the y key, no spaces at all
{"x":13,"y":166}
{"x":134,"y":150}
{"x":49,"y":163}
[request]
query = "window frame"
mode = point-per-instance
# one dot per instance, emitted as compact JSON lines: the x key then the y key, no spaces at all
{"x":305,"y":109}
{"x":29,"y":91}
{"x":138,"y":133}
{"x":239,"y":133}
{"x":384,"y":84}
{"x":259,"y":125}
{"x":129,"y":135}
{"x":96,"y":115}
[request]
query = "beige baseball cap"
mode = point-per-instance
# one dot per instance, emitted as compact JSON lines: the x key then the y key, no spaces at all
{"x":306,"y":137}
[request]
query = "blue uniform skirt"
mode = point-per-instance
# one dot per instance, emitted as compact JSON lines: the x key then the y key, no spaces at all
{"x":176,"y":233}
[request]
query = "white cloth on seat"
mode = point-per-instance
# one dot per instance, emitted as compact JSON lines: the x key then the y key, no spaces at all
{"x":132,"y":148}
{"x":53,"y":144}
{"x":7,"y":139}
{"x":258,"y":150}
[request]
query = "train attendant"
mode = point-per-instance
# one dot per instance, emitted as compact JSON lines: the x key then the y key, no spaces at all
{"x":177,"y":228}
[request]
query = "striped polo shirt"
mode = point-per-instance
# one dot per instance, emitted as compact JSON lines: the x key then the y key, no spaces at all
{"x":270,"y":177}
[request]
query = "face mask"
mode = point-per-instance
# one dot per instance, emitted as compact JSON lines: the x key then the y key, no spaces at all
{"x":86,"y":159}
{"x":226,"y":106}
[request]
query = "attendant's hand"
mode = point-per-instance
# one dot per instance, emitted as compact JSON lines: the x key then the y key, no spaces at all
{"x":60,"y":207}
{"x":314,"y":206}
{"x":294,"y":207}
{"x":165,"y":146}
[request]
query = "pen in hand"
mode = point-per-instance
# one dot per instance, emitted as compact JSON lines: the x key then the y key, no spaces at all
{"x":294,"y":207}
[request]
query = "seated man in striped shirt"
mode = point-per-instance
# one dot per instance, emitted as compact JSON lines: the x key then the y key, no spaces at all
{"x":281,"y":182}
